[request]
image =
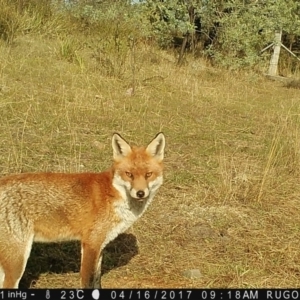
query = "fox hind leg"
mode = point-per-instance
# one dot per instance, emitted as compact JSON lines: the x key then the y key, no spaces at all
{"x":1,"y":277}
{"x":13,"y":267}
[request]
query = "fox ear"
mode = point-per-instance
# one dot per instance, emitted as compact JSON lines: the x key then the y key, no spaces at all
{"x":120,"y":147}
{"x":157,"y":146}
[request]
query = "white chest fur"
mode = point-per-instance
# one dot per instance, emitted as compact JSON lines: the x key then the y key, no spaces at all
{"x":127,"y":211}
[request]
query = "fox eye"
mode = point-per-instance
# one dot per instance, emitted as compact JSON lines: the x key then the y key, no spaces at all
{"x":128,"y":174}
{"x":148,"y":174}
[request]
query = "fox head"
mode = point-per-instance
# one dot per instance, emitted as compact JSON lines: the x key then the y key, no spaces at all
{"x":138,"y":170}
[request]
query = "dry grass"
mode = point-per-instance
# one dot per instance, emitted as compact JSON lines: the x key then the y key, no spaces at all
{"x":230,"y":202}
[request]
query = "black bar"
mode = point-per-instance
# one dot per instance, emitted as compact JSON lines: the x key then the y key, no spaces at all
{"x":151,"y":294}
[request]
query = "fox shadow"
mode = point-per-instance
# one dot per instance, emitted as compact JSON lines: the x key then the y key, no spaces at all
{"x":65,"y":257}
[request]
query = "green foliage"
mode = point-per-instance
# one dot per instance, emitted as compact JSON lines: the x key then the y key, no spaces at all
{"x":246,"y":27}
{"x":105,"y":16}
{"x":168,"y":19}
{"x":233,"y":31}
{"x":240,"y":37}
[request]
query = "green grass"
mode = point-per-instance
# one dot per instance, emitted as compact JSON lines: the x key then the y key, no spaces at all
{"x":229,"y":204}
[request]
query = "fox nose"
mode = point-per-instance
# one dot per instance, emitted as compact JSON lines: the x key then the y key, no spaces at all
{"x":140,"y":194}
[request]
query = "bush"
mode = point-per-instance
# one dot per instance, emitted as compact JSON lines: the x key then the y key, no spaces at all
{"x":231,"y":33}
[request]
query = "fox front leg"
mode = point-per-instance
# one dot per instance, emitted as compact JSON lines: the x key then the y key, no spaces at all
{"x":90,"y":271}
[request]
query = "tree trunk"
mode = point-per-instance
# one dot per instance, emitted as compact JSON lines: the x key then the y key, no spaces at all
{"x":182,"y":50}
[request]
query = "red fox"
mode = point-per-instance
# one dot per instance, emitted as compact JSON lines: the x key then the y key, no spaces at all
{"x":91,"y":207}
